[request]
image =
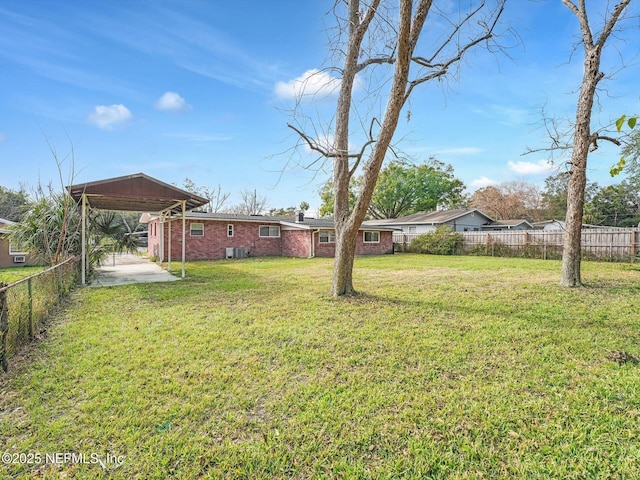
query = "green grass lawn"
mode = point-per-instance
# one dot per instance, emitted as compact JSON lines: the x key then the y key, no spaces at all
{"x":444,"y":367}
{"x":10,"y":275}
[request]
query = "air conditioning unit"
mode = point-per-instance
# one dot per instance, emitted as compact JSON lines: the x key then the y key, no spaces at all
{"x":19,"y":259}
{"x":236,"y":252}
{"x":240,"y":252}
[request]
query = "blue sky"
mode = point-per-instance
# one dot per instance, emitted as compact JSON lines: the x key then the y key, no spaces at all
{"x":199,"y":89}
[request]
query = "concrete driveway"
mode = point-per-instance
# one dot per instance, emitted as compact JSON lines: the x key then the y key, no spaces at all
{"x":125,"y":268}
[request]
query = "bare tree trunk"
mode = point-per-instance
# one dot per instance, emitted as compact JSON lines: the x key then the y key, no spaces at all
{"x":343,"y":263}
{"x":394,"y":49}
{"x":348,"y":225}
{"x":583,"y":139}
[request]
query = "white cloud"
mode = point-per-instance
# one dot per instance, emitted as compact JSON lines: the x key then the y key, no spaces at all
{"x":530,"y":168}
{"x":107,"y":117}
{"x":2,"y":137}
{"x":483,"y":182}
{"x":311,"y":83}
{"x":172,"y":101}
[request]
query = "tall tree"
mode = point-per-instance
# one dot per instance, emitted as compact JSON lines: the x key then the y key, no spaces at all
{"x":583,"y":138}
{"x":510,"y":200}
{"x":327,"y":197}
{"x":631,"y":154}
{"x":217,"y":198}
{"x":616,"y":205}
{"x":554,"y":194}
{"x":12,"y":204}
{"x":404,"y":188}
{"x":374,"y":34}
{"x":252,"y":203}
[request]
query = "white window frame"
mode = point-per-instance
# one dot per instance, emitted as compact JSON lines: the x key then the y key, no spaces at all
{"x":191,"y":229}
{"x":271,"y":229}
{"x":330,"y":236}
{"x":364,"y":236}
{"x":16,"y":252}
{"x":230,"y":230}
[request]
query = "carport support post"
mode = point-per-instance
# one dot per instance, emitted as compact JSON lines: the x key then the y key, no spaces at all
{"x":184,"y":235}
{"x":84,"y":239}
{"x":169,"y":251}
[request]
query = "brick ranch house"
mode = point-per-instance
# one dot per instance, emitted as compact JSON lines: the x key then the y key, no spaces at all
{"x":216,"y":235}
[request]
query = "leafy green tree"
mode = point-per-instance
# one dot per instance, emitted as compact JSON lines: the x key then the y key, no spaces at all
{"x":327,"y":198}
{"x":631,"y":158}
{"x":12,"y":204}
{"x":404,"y":188}
{"x":616,"y":205}
{"x":555,"y":191}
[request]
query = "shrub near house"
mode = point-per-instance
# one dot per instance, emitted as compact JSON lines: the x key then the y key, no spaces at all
{"x":442,"y":241}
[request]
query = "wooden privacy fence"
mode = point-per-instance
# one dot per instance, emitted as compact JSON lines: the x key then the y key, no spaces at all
{"x":598,"y":244}
{"x":26,"y":303}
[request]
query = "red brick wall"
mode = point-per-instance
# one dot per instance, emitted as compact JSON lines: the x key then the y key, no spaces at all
{"x":153,"y":235}
{"x":383,"y":247}
{"x":296,"y":243}
{"x":291,"y":243}
{"x":215,"y":240}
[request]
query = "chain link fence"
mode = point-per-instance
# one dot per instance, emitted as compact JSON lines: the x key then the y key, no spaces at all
{"x":25,"y":304}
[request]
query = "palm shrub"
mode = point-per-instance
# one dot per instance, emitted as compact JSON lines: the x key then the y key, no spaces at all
{"x":50,"y":228}
{"x":441,"y":241}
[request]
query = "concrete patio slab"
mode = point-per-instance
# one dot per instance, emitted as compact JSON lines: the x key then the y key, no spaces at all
{"x":126,"y":268}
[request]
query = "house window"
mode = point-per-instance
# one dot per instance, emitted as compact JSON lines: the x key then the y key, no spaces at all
{"x":412,"y":229}
{"x":16,"y":248}
{"x":197,"y":229}
{"x":371,"y":237}
{"x":269,"y":230}
{"x":230,"y":230}
{"x":327,"y":236}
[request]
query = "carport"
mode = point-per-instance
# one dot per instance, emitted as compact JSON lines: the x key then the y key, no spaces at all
{"x":134,"y":193}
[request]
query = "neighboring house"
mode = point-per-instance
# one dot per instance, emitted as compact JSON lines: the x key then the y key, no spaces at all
{"x":561,"y":225}
{"x":11,"y":255}
{"x":459,"y":220}
{"x":519,"y":224}
{"x":217,"y":235}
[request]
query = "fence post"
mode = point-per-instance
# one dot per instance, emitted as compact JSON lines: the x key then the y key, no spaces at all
{"x":60,"y":283}
{"x":30,"y":291}
{"x":4,"y":327}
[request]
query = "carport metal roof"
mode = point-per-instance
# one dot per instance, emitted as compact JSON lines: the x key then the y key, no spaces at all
{"x":133,"y":193}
